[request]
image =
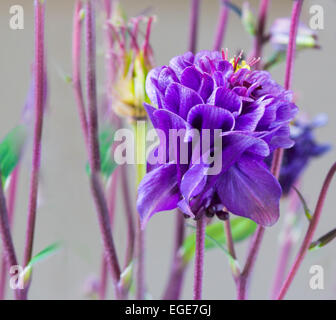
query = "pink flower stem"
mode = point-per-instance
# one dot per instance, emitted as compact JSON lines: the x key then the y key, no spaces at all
{"x":39,"y":95}
{"x":259,"y":38}
{"x":288,"y":239}
{"x":94,"y":156}
{"x":5,"y":233}
{"x":199,"y":258}
{"x":193,"y":28}
{"x":76,"y":72}
{"x":310,"y":233}
{"x":11,"y":208}
{"x":221,"y":25}
{"x":175,"y":280}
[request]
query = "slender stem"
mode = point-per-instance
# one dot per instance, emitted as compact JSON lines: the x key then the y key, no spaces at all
{"x":231,"y":249}
{"x":310,"y":233}
{"x":288,"y":238}
{"x":91,"y":90}
{"x":94,"y":156}
{"x":199,"y":258}
{"x":39,"y":81}
{"x":5,"y":233}
{"x":103,"y":278}
{"x":259,"y":38}
{"x":76,"y":72}
{"x":296,"y":11}
{"x":221,"y":25}
{"x":11,"y":209}
{"x":245,"y":276}
{"x":129,"y":216}
{"x":194,"y":17}
{"x":175,"y":280}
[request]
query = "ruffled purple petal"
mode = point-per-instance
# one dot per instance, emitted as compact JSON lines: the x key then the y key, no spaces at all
{"x":180,"y":99}
{"x":248,"y":189}
{"x":226,"y":99}
{"x":158,"y":191}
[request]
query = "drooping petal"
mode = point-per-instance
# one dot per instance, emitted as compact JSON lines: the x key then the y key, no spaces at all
{"x":158,"y":191}
{"x":248,"y":189}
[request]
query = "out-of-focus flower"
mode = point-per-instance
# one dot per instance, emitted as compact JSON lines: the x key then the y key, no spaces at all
{"x":202,"y":93}
{"x":297,"y":158}
{"x":306,"y":37}
{"x":132,"y":64}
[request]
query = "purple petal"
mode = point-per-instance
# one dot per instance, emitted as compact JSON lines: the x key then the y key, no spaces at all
{"x":249,"y":121}
{"x":158,"y":191}
{"x":227,"y":99}
{"x":191,"y":78}
{"x":205,"y":116}
{"x":248,"y":189}
{"x":180,"y":99}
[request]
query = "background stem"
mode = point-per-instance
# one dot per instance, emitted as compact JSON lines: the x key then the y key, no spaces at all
{"x":193,"y":27}
{"x":221,"y":25}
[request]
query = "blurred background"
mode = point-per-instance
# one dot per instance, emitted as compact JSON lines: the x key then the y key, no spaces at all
{"x":66,"y":211}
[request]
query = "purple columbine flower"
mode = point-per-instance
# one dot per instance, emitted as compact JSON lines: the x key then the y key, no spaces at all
{"x":252,"y":112}
{"x":306,"y":148}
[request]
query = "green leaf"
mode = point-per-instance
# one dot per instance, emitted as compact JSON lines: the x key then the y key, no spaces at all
{"x":126,"y":277}
{"x":241,"y":229}
{"x":106,"y":139}
{"x":42,"y":255}
{"x":304,"y":204}
{"x":321,"y":242}
{"x":276,"y":58}
{"x":11,"y":149}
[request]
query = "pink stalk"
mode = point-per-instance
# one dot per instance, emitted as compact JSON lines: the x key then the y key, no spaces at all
{"x":221,"y":26}
{"x":5,"y":233}
{"x":199,"y":257}
{"x":310,"y":233}
{"x":94,"y":156}
{"x":278,"y":154}
{"x":259,"y":39}
{"x":39,"y":94}
{"x":193,"y":28}
{"x":76,"y":72}
{"x":288,"y":239}
{"x":11,"y":208}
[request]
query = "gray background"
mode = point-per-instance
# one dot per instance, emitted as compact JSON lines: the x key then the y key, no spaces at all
{"x":66,"y":211}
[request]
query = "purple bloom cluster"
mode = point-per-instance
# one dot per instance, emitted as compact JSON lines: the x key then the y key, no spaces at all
{"x":252,"y":111}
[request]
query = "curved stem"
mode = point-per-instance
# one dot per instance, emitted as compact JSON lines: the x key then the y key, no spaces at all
{"x":199,"y":258}
{"x":11,"y":209}
{"x":295,"y":19}
{"x":76,"y":72}
{"x":221,"y":26}
{"x":5,"y":233}
{"x":194,"y":17}
{"x":39,"y":81}
{"x":310,"y":232}
{"x":94,"y":156}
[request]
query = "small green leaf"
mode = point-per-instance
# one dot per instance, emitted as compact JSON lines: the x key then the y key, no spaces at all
{"x":11,"y":149}
{"x":241,"y":229}
{"x":126,"y":277}
{"x":304,"y":204}
{"x":106,"y":139}
{"x":321,"y":242}
{"x":42,"y":255}
{"x":276,"y":58}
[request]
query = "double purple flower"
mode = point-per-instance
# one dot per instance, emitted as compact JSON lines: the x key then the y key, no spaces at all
{"x":252,"y":113}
